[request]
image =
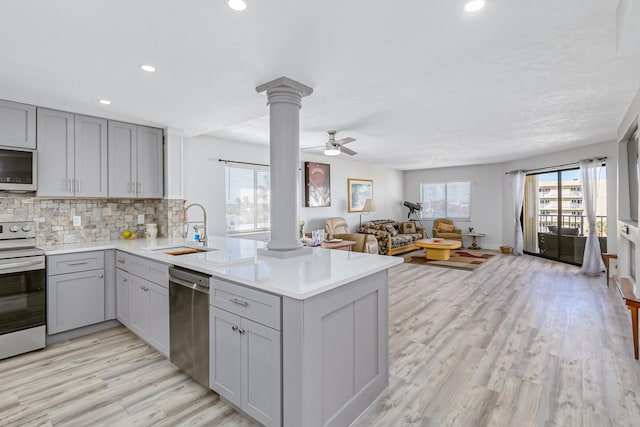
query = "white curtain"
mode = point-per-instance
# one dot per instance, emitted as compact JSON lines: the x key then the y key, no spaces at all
{"x":517,"y":184}
{"x":592,"y":264}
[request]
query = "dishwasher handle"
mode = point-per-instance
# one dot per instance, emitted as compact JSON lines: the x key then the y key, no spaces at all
{"x":190,"y":285}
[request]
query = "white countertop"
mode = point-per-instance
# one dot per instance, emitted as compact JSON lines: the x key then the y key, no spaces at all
{"x":237,"y":260}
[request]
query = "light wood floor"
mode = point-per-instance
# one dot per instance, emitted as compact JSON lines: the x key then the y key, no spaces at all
{"x":520,"y":341}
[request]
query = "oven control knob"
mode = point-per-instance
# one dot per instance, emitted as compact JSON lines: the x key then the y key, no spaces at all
{"x":14,"y":228}
{"x":26,"y":228}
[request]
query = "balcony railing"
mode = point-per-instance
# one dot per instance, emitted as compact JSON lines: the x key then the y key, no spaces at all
{"x":572,"y":221}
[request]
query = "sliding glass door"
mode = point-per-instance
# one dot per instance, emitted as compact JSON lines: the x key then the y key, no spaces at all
{"x":555,"y":225}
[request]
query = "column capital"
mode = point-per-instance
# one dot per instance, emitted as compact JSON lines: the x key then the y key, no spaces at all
{"x":284,"y":83}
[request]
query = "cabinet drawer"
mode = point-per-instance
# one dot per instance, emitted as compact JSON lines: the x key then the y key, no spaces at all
{"x":153,"y":271}
{"x":122,"y":260}
{"x":252,"y":304}
{"x":73,"y":263}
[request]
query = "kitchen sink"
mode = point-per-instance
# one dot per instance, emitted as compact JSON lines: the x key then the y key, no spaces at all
{"x":183,"y":250}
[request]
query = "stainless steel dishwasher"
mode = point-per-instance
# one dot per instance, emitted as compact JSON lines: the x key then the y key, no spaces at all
{"x":189,"y":322}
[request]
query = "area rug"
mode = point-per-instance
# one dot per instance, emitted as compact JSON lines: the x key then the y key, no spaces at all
{"x":460,"y":259}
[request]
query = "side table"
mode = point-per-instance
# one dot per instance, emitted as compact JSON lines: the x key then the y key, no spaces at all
{"x":474,"y":244}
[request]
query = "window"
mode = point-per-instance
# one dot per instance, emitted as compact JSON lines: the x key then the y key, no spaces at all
{"x":247,"y":198}
{"x":446,"y":200}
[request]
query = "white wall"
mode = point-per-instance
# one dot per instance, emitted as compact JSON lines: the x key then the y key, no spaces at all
{"x":204,"y":175}
{"x":606,"y":149}
{"x":486,"y":198}
{"x":204,"y":183}
{"x":387,"y":191}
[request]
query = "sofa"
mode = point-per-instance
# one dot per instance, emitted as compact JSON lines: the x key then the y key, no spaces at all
{"x":393,"y":237}
{"x":337,"y":228}
{"x":571,"y":244}
{"x":443,"y":228}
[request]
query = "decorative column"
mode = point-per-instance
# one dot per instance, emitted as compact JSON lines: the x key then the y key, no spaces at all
{"x":284,"y":98}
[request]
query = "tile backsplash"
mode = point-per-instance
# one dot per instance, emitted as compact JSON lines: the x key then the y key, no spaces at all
{"x":102,"y":219}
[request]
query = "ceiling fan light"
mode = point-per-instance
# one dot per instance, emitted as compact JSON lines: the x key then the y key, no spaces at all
{"x":474,"y":5}
{"x":237,"y":5}
{"x":331,"y":150}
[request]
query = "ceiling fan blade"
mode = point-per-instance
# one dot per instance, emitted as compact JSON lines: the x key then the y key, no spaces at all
{"x":345,"y":150}
{"x":345,"y":140}
{"x":313,"y":148}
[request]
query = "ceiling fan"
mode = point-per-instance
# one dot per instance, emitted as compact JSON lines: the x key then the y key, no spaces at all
{"x":334,"y":147}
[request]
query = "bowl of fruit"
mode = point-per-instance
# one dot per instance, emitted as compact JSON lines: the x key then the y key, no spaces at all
{"x":128,"y":235}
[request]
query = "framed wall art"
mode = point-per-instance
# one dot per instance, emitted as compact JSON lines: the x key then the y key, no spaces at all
{"x":359,"y":191}
{"x":317,"y":185}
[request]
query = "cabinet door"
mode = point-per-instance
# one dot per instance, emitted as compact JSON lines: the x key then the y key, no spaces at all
{"x":75,"y":300}
{"x":158,"y":317}
{"x":122,"y":296}
{"x":90,"y":157}
{"x":138,"y":306}
{"x":122,"y":159}
{"x":150,"y":158}
{"x":55,"y":153}
{"x":17,"y":125}
{"x":261,"y":379}
{"x":224,"y":351}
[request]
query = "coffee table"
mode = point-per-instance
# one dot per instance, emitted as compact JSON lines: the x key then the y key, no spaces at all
{"x":438,"y":250}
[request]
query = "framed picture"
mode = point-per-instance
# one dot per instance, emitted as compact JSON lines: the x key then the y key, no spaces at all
{"x":359,"y":191}
{"x":317,"y":185}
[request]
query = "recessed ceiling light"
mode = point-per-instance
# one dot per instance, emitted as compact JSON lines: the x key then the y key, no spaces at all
{"x":148,"y":68}
{"x":104,"y":101}
{"x":237,"y":4}
{"x":474,"y":5}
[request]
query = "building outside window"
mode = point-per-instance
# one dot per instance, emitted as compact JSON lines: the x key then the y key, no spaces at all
{"x":247,"y":198}
{"x":446,"y":200}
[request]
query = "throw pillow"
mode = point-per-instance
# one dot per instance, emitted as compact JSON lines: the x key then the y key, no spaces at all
{"x":553,"y":229}
{"x":391,"y":230}
{"x":445,"y":228}
{"x":409,"y":228}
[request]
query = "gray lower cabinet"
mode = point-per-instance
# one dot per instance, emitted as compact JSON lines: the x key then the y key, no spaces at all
{"x":245,"y":366}
{"x":135,"y":161}
{"x":75,"y":291}
{"x":72,"y":155}
{"x":142,"y":305}
{"x":122,"y":296}
{"x":17,"y":125}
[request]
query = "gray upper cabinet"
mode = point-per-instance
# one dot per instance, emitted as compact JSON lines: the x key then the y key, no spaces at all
{"x":73,"y":155}
{"x":135,"y":161}
{"x":90,"y":157}
{"x":17,"y":125}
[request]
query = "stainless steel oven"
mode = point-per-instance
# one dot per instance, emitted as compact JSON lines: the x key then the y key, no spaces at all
{"x":18,"y":169}
{"x":22,"y":290}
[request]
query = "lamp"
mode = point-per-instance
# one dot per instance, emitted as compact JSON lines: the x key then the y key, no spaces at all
{"x":369,"y":206}
{"x":331,"y":150}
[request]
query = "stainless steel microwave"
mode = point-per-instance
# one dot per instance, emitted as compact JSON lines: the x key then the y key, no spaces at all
{"x":18,"y":169}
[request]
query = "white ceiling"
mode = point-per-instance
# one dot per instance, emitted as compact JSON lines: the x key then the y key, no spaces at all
{"x":418,"y":83}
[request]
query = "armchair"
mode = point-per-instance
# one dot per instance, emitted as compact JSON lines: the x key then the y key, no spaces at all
{"x":441,"y":231}
{"x":339,"y":229}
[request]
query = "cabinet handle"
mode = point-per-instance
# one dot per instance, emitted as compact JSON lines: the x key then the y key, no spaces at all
{"x":139,"y":188}
{"x":132,"y":187}
{"x":239,"y":302}
{"x":78,"y":263}
{"x":100,"y":276}
{"x":78,"y":185}
{"x":125,"y":280}
{"x":234,"y":328}
{"x":70,"y":186}
{"x":242,"y":331}
{"x":121,"y":261}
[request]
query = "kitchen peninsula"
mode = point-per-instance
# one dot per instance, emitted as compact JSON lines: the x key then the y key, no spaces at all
{"x":322,"y":317}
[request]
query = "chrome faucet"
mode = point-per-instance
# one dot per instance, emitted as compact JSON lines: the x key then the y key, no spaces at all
{"x":203,"y":236}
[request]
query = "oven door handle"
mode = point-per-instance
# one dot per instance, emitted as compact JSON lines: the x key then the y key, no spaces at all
{"x":20,"y":266}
